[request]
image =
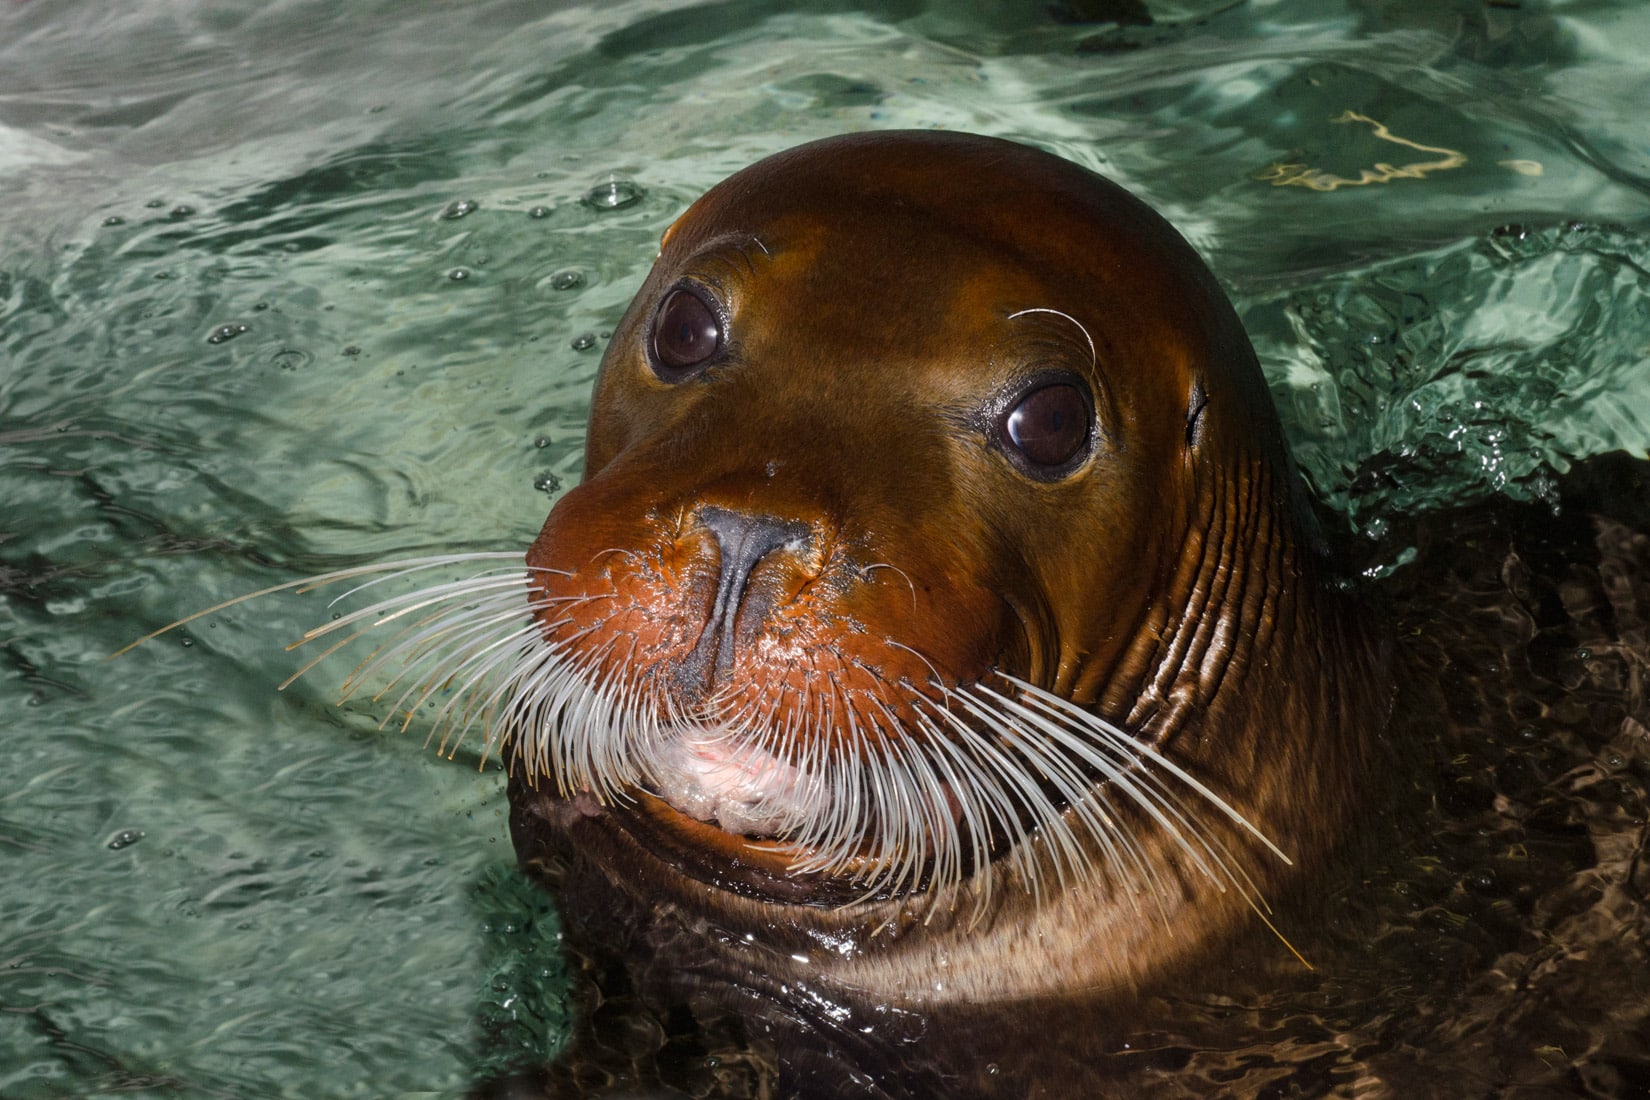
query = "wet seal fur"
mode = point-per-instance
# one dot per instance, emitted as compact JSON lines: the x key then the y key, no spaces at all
{"x":940,"y":632}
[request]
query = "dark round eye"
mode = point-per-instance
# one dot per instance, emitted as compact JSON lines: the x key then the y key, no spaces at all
{"x":686,"y":332}
{"x":1048,"y":426}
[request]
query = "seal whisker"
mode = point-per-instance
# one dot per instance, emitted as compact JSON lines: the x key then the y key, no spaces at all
{"x":495,"y":653}
{"x":1142,"y":795}
{"x":1094,"y":358}
{"x":445,"y":666}
{"x":1114,"y":735}
{"x":387,"y":611}
{"x":350,"y":683}
{"x":435,"y":632}
{"x":982,"y":800}
{"x":987,"y":756}
{"x":487,"y":578}
{"x":866,"y":570}
{"x":307,"y":584}
{"x":426,"y":641}
{"x":487,"y":661}
{"x":1121,"y":853}
{"x":935,"y":679}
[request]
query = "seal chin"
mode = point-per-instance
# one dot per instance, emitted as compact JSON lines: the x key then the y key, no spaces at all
{"x":714,"y":778}
{"x":760,"y":867}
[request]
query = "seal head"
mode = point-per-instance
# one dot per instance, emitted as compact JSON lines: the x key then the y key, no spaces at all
{"x":939,"y":584}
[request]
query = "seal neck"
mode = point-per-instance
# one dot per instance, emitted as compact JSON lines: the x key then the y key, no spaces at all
{"x":1252,"y":589}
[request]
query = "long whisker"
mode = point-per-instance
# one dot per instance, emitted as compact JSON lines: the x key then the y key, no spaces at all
{"x":305,"y":584}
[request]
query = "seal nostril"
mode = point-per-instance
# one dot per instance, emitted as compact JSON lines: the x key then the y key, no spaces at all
{"x":743,"y":540}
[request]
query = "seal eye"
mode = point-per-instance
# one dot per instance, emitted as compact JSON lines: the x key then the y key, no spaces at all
{"x":686,"y":332}
{"x":1048,"y":427}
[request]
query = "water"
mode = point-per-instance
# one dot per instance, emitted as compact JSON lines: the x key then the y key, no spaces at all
{"x":291,"y":286}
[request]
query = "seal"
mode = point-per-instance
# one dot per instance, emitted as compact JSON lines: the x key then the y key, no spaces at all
{"x":940,"y":624}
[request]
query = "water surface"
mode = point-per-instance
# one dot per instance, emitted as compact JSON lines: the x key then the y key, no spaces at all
{"x":290,"y":286}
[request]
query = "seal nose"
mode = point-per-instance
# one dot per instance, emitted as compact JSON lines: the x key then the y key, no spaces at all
{"x":742,"y":540}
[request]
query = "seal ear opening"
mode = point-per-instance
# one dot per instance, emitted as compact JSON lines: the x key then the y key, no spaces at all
{"x":1194,"y":415}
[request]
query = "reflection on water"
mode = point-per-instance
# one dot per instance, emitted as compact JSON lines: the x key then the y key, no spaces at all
{"x":291,"y":286}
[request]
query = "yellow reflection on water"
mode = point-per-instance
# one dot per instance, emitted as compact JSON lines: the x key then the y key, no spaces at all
{"x":1304,"y":175}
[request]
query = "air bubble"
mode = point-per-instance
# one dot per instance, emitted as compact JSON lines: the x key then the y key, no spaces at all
{"x":125,"y":839}
{"x":566,"y":280}
{"x":584,"y":341}
{"x":614,"y":194}
{"x":458,"y":208}
{"x":225,"y":333}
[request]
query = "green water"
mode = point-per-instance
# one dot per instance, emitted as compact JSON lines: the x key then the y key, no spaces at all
{"x":290,"y":286}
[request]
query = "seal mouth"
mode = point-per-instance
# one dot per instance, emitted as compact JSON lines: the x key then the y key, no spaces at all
{"x":991,"y":783}
{"x":765,"y":868}
{"x":727,"y":812}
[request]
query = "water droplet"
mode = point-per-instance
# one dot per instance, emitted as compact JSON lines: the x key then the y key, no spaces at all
{"x":224,"y":333}
{"x":566,"y":280}
{"x":542,"y":442}
{"x":539,"y":212}
{"x":352,"y":350}
{"x":584,"y":341}
{"x":114,"y":219}
{"x":614,"y":194}
{"x":125,"y":839}
{"x":458,"y":208}
{"x":547,"y":482}
{"x":459,"y":274}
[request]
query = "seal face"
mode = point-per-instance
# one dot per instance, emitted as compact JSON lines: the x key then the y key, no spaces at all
{"x":939,"y":585}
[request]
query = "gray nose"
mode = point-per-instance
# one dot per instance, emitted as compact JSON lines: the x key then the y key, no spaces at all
{"x":743,"y":540}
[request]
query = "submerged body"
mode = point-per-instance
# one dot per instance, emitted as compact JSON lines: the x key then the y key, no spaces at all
{"x":939,"y":630}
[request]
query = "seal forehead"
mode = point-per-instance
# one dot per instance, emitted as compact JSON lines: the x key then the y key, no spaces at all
{"x":1019,"y":202}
